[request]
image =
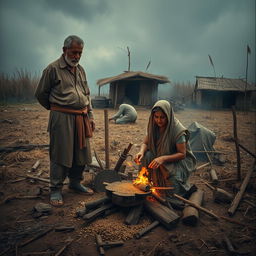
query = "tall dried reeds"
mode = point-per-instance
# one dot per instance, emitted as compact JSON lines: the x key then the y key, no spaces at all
{"x":19,"y":87}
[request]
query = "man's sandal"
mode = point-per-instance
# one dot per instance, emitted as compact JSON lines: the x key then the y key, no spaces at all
{"x":56,"y":199}
{"x":81,"y":188}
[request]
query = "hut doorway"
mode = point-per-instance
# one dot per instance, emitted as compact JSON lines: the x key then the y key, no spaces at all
{"x":132,"y":92}
{"x":229,"y":99}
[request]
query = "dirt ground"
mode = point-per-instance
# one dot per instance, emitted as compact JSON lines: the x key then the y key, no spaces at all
{"x":27,"y":124}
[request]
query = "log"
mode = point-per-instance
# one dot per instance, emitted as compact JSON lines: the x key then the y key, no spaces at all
{"x":197,"y":206}
{"x":99,"y":211}
{"x":214,"y":177}
{"x":146,"y":229}
{"x":94,"y":204}
{"x":134,"y":215}
{"x":143,"y":187}
{"x":162,"y":213}
{"x":240,"y":193}
{"x":190,"y":214}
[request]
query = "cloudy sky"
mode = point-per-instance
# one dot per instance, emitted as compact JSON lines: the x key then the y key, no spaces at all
{"x":176,"y":35}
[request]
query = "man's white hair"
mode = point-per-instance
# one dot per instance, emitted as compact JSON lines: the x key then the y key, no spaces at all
{"x":68,"y":41}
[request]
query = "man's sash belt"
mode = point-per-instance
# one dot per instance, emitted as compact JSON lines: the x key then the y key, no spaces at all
{"x":83,"y":125}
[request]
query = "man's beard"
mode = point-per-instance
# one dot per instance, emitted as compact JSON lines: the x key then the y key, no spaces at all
{"x":70,"y":62}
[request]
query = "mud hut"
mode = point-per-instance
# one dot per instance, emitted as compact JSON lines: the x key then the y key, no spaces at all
{"x":220,"y":92}
{"x":134,"y":87}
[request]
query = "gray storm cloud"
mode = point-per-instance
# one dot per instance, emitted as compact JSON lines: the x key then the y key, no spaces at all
{"x":176,"y":35}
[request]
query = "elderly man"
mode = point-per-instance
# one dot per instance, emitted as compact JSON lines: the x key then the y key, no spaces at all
{"x":126,"y":114}
{"x":63,"y":90}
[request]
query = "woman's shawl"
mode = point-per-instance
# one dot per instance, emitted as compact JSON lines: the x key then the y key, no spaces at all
{"x":166,"y":143}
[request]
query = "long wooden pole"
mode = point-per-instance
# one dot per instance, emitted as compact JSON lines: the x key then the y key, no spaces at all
{"x":197,"y":206}
{"x":240,"y":193}
{"x":106,"y":139}
{"x":236,"y":143}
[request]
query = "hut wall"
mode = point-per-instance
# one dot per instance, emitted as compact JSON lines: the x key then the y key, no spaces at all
{"x":198,"y":98}
{"x":148,"y":93}
{"x":112,"y":93}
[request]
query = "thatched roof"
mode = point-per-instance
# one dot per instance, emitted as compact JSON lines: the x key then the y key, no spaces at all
{"x":222,"y":84}
{"x":133,"y":74}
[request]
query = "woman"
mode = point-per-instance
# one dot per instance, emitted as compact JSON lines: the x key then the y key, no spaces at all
{"x":166,"y":151}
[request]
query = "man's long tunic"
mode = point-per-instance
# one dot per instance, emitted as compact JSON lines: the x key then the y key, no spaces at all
{"x":58,"y":85}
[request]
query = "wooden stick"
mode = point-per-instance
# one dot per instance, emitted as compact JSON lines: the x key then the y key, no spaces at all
{"x":9,"y":198}
{"x":246,"y":150}
{"x":37,"y":178}
{"x":236,"y":143}
{"x":106,"y":138}
{"x":36,"y":165}
{"x":146,"y":229}
{"x":240,"y":193}
{"x":197,"y":206}
{"x":64,"y":247}
{"x":36,"y":237}
{"x":163,"y":188}
{"x":237,"y":222}
{"x":202,"y":166}
{"x":123,"y":157}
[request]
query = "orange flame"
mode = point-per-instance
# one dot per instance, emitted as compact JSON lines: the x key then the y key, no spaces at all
{"x":142,"y":177}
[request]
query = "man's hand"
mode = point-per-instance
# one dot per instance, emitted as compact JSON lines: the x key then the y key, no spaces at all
{"x":92,"y":124}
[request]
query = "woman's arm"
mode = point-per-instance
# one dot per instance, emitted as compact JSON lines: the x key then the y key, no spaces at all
{"x":181,"y":154}
{"x":143,"y":149}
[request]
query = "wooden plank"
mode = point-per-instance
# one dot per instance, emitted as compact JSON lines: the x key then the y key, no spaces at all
{"x":134,"y":215}
{"x":94,"y":214}
{"x":162,"y":213}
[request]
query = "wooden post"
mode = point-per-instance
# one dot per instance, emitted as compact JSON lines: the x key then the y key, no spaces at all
{"x":240,"y":193}
{"x":190,"y":214}
{"x":236,"y":143}
{"x":106,"y":139}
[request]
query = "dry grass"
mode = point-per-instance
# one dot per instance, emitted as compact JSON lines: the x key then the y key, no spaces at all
{"x":19,"y":87}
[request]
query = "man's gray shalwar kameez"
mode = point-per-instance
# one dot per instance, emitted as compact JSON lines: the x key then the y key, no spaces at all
{"x":59,"y":86}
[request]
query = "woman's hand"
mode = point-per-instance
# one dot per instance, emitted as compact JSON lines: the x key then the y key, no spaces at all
{"x":138,"y":157}
{"x":156,"y":162}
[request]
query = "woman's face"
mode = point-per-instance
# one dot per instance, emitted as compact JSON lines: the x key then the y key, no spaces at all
{"x":160,"y":119}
